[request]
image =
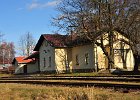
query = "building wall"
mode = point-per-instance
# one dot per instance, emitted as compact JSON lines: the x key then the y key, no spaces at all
{"x":119,"y":47}
{"x":123,"y":59}
{"x":101,"y":58}
{"x":130,"y":61}
{"x":47,"y":52}
{"x":56,"y":59}
{"x":81,"y":52}
{"x":69,"y":58}
{"x":33,"y":67}
{"x":19,"y":68}
{"x":61,"y":59}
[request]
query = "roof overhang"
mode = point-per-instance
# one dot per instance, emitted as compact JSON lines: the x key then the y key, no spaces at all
{"x":34,"y":55}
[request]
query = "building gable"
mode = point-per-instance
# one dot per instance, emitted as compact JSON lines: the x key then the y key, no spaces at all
{"x":55,"y":40}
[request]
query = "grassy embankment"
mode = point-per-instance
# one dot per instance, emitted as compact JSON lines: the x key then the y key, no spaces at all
{"x":37,"y":92}
{"x":100,"y":73}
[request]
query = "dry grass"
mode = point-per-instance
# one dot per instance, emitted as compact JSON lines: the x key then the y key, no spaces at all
{"x":100,"y":73}
{"x":37,"y":92}
{"x":6,"y":75}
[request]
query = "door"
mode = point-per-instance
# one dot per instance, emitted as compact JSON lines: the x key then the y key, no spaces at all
{"x":25,"y":69}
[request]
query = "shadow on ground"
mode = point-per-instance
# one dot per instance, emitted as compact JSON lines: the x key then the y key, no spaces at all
{"x":123,"y":72}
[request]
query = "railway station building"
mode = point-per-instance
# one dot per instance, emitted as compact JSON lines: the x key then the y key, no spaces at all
{"x":63,"y":53}
{"x":55,"y":53}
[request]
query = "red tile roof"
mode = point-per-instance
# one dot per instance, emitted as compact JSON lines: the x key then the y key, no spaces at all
{"x":56,"y":40}
{"x":21,"y":60}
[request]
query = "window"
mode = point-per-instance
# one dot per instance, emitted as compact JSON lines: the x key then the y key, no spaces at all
{"x":86,"y":58}
{"x":44,"y":62}
{"x":49,"y":61}
{"x":77,"y":60}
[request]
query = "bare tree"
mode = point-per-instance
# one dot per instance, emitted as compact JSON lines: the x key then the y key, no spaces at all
{"x":8,"y":52}
{"x":26,"y":44}
{"x":92,"y":18}
{"x":1,"y":37}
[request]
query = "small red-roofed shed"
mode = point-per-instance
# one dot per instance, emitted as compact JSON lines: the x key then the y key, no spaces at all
{"x":25,"y":66}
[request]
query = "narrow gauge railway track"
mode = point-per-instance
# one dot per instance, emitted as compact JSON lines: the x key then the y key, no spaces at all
{"x":126,"y":76}
{"x":116,"y":79}
{"x":114,"y":76}
{"x":116,"y":85}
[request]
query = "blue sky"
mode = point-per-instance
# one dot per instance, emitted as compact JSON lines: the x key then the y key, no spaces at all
{"x":18,"y":17}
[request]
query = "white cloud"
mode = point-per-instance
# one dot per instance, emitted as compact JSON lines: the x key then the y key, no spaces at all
{"x":35,"y":4}
{"x":54,"y":3}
